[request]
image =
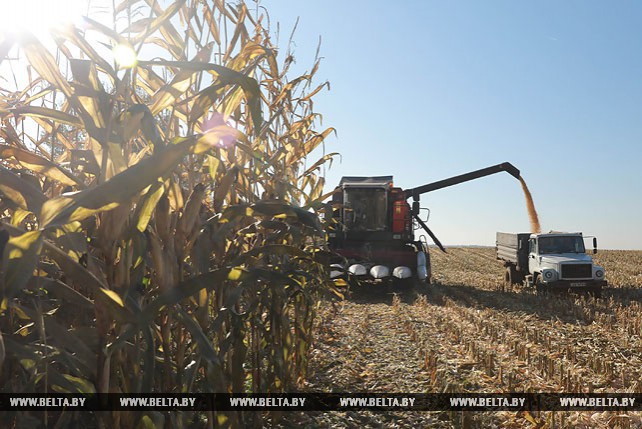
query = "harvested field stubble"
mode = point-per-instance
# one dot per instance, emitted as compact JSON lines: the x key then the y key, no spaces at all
{"x":463,"y":334}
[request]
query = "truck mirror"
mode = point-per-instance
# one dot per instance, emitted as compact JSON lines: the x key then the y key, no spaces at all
{"x":594,"y":245}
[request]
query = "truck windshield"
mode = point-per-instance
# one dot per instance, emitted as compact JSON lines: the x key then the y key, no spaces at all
{"x":366,"y":209}
{"x":561,"y":244}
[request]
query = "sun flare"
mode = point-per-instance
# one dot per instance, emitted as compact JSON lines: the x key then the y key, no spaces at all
{"x":38,"y":16}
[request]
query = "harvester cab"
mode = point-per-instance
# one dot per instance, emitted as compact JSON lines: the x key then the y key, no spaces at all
{"x":374,"y":228}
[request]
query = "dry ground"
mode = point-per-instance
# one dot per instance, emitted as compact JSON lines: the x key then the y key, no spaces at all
{"x":464,"y":334}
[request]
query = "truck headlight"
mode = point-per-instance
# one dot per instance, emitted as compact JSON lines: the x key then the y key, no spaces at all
{"x":549,"y":275}
{"x":599,"y":274}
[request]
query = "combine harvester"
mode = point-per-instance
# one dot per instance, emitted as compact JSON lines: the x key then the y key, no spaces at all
{"x":374,"y":228}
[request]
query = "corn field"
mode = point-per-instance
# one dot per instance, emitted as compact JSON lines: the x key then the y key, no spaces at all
{"x":464,"y":333}
{"x":160,"y":212}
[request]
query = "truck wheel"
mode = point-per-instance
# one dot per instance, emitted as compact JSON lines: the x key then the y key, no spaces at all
{"x":511,"y":277}
{"x":539,"y":286}
{"x":519,"y":278}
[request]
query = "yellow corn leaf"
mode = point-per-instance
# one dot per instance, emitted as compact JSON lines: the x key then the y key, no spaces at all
{"x":117,"y":190}
{"x":113,"y":296}
{"x":180,"y":83}
{"x":46,"y":113}
{"x":45,"y":64}
{"x":163,"y":22}
{"x":151,"y":199}
{"x":225,"y":76}
{"x":212,"y":166}
{"x":313,"y":93}
{"x":146,"y":423}
{"x":235,"y":273}
{"x":18,"y":216}
{"x":40,"y":165}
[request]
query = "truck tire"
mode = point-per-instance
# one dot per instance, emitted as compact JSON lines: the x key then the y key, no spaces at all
{"x":519,"y":277}
{"x":509,"y":275}
{"x":539,"y":286}
{"x":512,"y":277}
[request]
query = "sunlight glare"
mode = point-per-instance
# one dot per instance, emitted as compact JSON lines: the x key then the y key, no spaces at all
{"x":125,"y":56}
{"x":38,"y":16}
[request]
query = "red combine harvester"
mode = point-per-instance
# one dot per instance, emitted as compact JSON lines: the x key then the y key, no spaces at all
{"x":374,"y":228}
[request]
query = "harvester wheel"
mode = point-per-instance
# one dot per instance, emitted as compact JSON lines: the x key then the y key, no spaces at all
{"x":428,"y":268}
{"x":402,"y":283}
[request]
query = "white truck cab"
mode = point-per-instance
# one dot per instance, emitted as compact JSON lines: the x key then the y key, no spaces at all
{"x":558,"y":260}
{"x":549,"y":261}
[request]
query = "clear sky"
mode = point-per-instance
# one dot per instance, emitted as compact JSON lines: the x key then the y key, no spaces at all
{"x":426,"y":89}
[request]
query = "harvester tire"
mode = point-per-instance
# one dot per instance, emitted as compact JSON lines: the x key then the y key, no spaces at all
{"x":428,"y":269}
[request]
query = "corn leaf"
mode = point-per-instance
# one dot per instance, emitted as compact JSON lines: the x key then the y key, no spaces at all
{"x":46,"y":113}
{"x":20,"y":192}
{"x":45,"y":64}
{"x":179,"y":84}
{"x":20,"y":259}
{"x":204,"y":344}
{"x":40,"y":165}
{"x":225,"y":76}
{"x":117,"y":190}
{"x":149,"y":205}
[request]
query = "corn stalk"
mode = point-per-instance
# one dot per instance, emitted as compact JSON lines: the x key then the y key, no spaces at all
{"x":158,"y":219}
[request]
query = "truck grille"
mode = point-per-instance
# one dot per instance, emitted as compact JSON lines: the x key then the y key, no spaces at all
{"x":577,"y":271}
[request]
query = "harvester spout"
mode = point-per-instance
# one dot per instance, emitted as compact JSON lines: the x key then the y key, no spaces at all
{"x":455,"y":180}
{"x":505,"y":166}
{"x":511,"y":169}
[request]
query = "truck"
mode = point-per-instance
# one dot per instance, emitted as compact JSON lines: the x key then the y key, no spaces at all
{"x":373,"y":232}
{"x":550,"y":261}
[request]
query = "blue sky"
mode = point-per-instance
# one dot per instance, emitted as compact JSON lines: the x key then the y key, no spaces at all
{"x":425,"y":90}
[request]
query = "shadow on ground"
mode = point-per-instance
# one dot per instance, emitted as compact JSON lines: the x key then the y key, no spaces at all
{"x":562,"y":306}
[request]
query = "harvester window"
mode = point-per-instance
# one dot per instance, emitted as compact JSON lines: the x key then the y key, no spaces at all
{"x":366,"y":209}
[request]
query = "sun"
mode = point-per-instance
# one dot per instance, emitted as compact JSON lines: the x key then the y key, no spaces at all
{"x":38,"y":16}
